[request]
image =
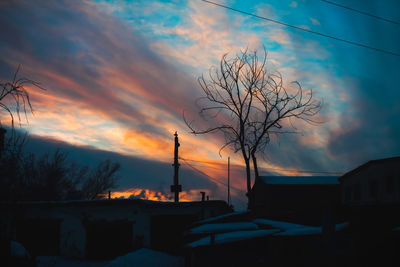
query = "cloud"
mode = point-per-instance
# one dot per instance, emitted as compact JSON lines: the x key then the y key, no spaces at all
{"x":315,"y":21}
{"x":202,"y":36}
{"x":370,"y":128}
{"x":93,"y":60}
{"x":105,"y":86}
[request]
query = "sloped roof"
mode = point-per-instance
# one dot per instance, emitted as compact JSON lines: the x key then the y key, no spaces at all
{"x":369,"y":163}
{"x":300,"y":180}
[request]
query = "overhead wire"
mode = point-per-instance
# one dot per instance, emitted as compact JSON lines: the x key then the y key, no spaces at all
{"x":201,"y":161}
{"x":306,"y":30}
{"x":208,"y":167}
{"x":212,"y":178}
{"x":361,"y":12}
{"x":268,"y":168}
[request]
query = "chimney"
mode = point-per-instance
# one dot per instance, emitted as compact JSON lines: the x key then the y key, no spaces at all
{"x":203,"y":196}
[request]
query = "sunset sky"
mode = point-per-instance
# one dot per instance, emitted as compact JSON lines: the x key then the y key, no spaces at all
{"x":119,"y":74}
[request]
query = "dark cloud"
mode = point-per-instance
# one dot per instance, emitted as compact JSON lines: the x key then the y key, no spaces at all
{"x":369,"y":123}
{"x":138,"y":173}
{"x":374,"y":130}
{"x":367,"y":126}
{"x":135,"y":172}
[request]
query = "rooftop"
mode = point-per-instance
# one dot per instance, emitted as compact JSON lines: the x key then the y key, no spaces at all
{"x":300,"y":180}
{"x":369,"y":163}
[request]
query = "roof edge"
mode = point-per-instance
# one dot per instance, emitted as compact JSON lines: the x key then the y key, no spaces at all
{"x":367,"y":164}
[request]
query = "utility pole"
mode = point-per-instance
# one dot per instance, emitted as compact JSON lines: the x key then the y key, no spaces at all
{"x":176,"y":187}
{"x":229,"y":186}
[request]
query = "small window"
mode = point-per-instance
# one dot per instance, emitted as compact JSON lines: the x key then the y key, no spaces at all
{"x":389,"y":184}
{"x":373,"y":189}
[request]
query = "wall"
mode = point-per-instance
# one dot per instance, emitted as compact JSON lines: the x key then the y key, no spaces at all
{"x":377,"y":183}
{"x":75,"y":217}
{"x":300,"y":203}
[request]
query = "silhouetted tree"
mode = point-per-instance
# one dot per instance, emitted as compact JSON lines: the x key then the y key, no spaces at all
{"x":247,"y":103}
{"x":10,"y":165}
{"x":14,"y":93}
{"x":48,"y":178}
{"x":51,"y":176}
{"x":101,"y":179}
{"x":14,"y":99}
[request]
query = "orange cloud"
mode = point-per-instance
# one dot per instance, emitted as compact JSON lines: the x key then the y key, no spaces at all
{"x":191,"y":195}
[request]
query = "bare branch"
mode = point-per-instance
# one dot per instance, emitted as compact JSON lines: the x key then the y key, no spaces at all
{"x":247,"y":104}
{"x":17,"y":94}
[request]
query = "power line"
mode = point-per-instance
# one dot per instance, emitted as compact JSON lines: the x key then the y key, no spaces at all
{"x":212,"y":178}
{"x":201,"y":161}
{"x":306,"y":30}
{"x":361,"y":12}
{"x":266,"y":168}
{"x":208,"y":167}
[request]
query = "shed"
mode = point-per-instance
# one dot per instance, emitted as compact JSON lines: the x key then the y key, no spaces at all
{"x":302,"y":199}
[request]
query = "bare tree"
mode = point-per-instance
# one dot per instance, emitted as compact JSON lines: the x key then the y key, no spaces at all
{"x":25,"y":176}
{"x":15,"y":92}
{"x":247,"y":103}
{"x":14,"y":99}
{"x":101,"y":179}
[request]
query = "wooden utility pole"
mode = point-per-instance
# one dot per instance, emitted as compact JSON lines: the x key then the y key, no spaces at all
{"x":176,"y":187}
{"x":229,"y":186}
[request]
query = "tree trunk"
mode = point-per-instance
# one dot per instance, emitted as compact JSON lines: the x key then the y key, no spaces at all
{"x":248,"y":177}
{"x":249,"y":193}
{"x":248,"y":174}
{"x":253,"y":156}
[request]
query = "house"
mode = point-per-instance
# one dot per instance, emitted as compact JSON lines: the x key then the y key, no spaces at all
{"x":104,"y":229}
{"x":376,"y":182}
{"x":300,"y":199}
{"x":370,"y":197}
{"x":370,"y":194}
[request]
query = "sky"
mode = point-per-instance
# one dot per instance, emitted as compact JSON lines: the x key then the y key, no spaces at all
{"x":119,"y":75}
